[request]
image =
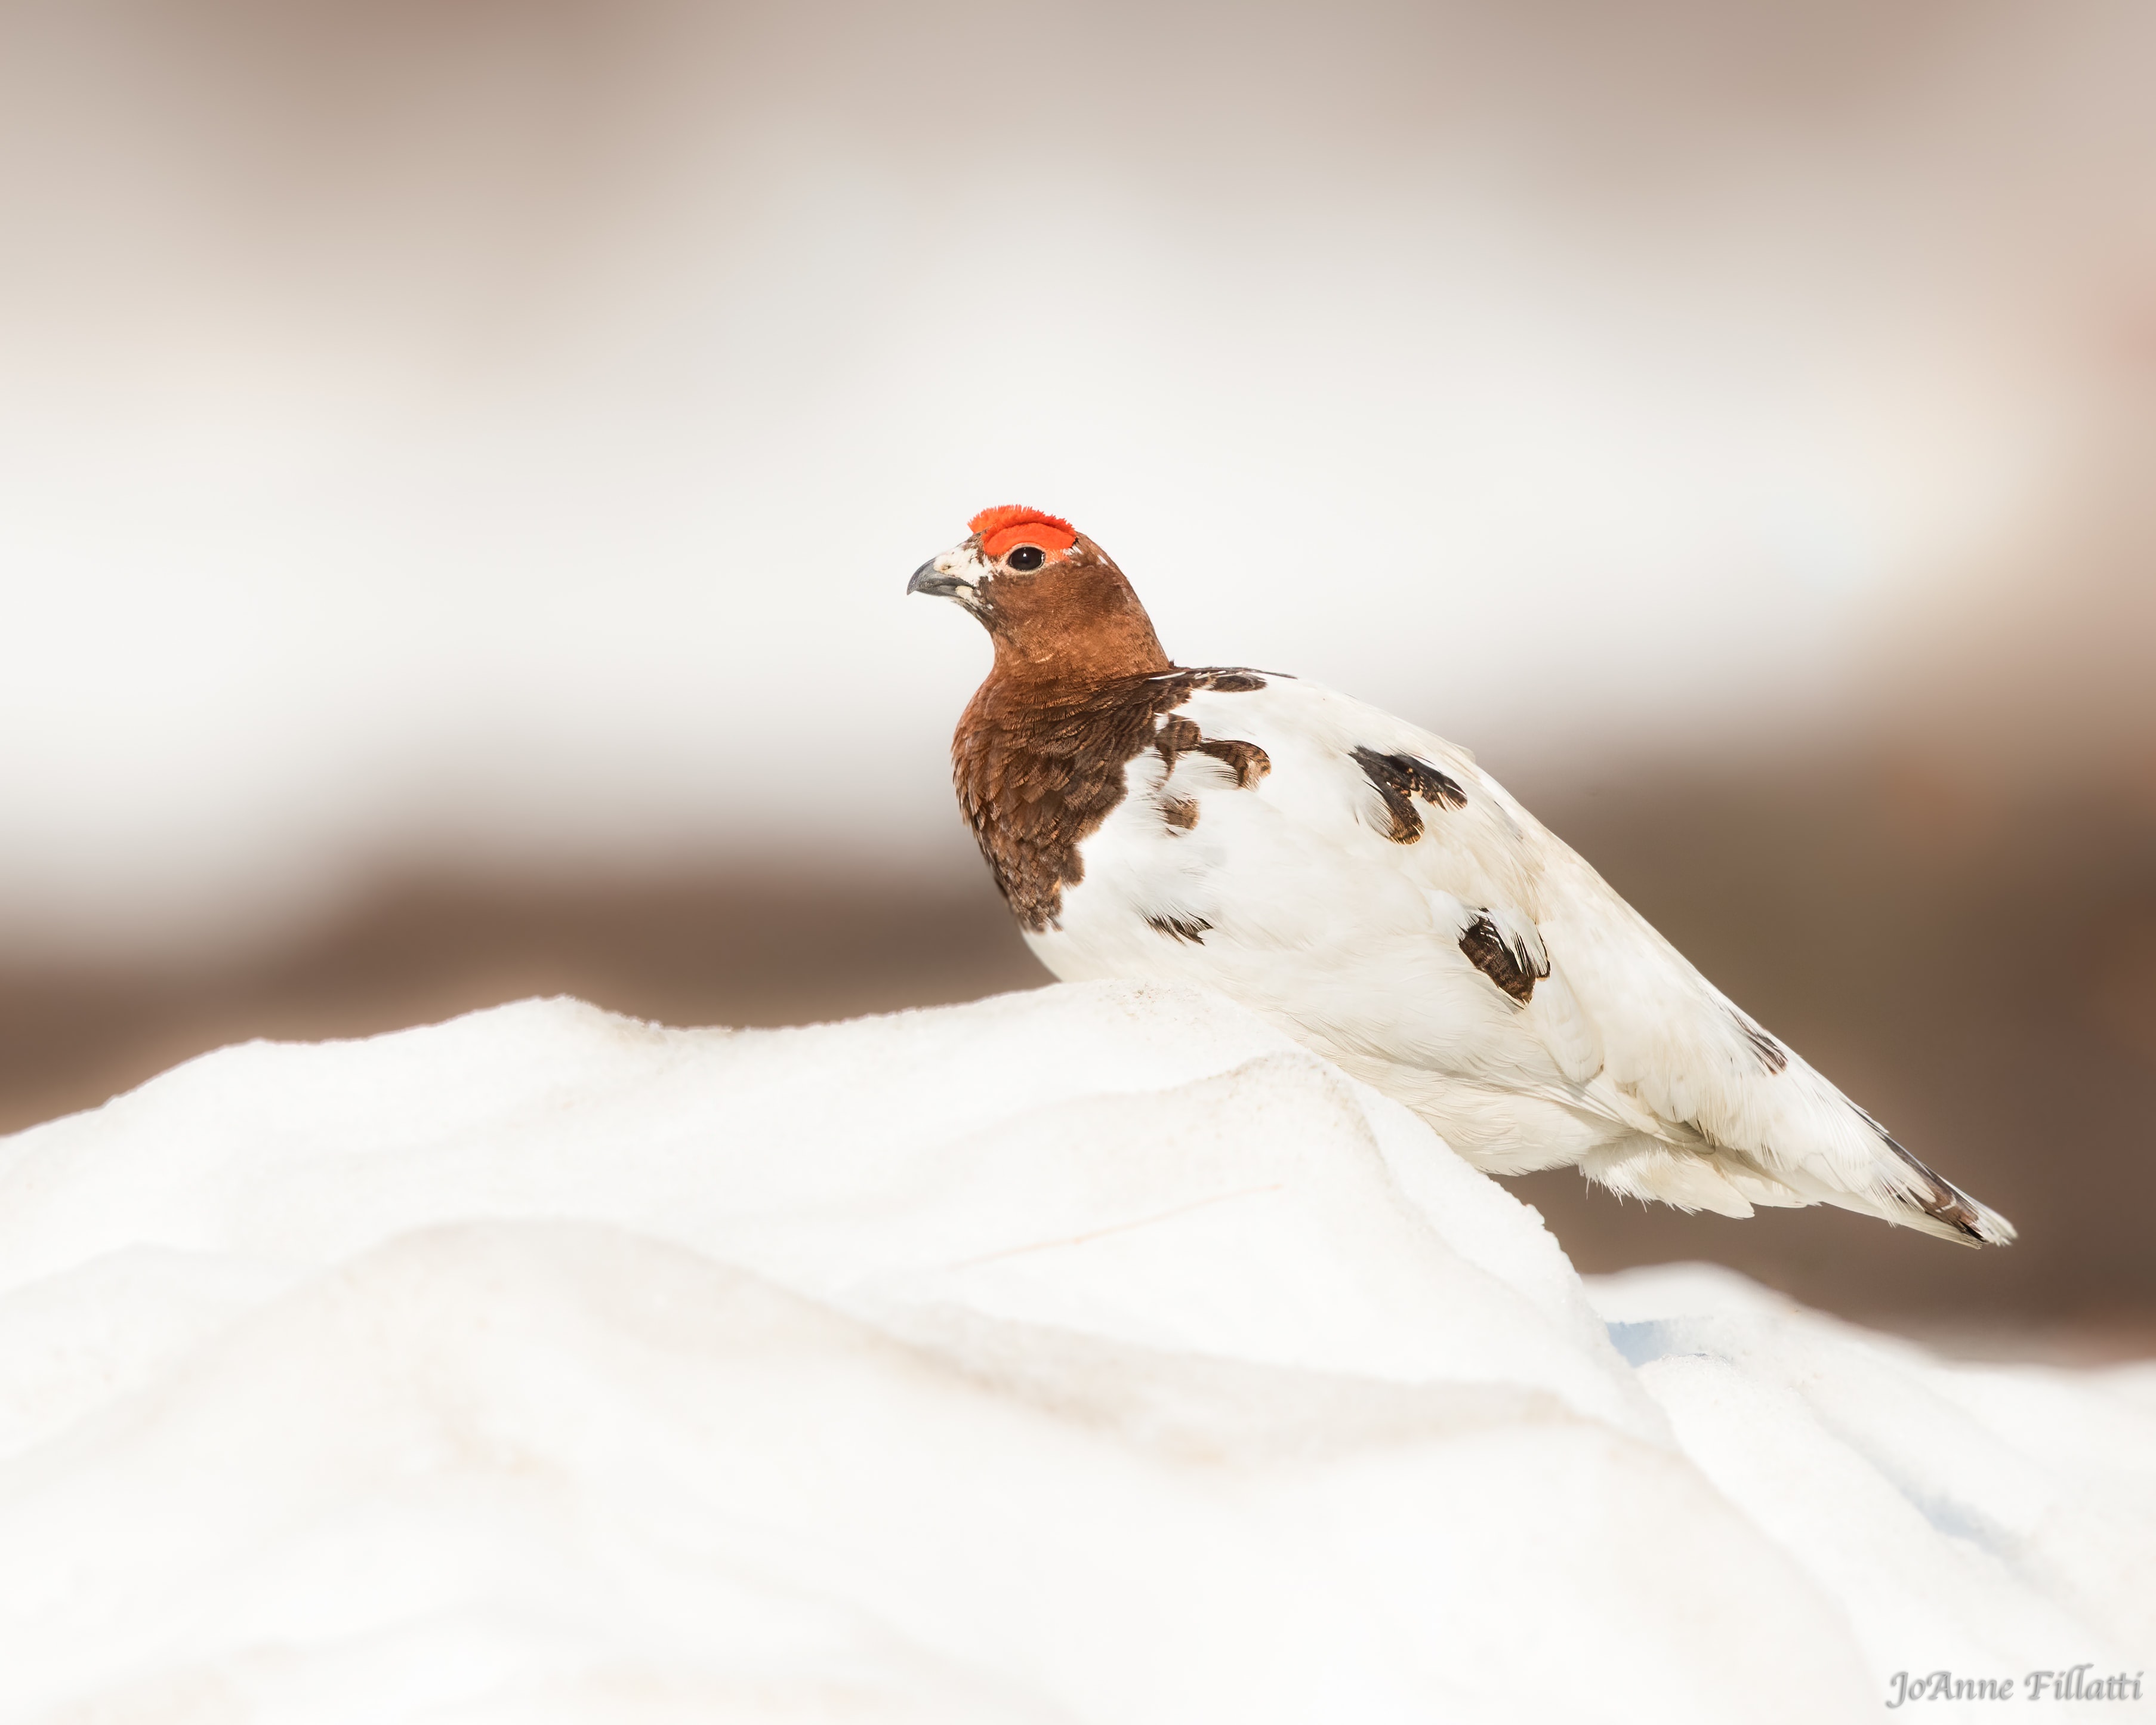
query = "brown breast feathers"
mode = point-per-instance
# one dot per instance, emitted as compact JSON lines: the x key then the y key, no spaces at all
{"x":1039,"y":767}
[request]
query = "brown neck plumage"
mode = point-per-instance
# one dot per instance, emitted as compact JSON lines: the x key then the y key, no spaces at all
{"x":1074,"y":624}
{"x":1079,"y":688}
{"x":1075,"y":692}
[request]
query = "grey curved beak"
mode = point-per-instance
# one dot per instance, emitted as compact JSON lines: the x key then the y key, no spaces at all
{"x":926,"y":580}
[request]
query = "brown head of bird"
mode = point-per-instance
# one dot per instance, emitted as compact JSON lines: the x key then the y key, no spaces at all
{"x":1055,"y":605}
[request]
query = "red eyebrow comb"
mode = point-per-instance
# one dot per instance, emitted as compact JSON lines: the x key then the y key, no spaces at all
{"x":1010,"y":524}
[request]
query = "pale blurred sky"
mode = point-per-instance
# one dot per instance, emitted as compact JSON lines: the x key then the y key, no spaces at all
{"x":497,"y":429}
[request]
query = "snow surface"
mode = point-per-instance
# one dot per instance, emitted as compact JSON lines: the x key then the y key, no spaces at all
{"x":1095,"y":1353}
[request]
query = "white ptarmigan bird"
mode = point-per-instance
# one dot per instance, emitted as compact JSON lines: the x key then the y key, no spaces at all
{"x":1367,"y":887}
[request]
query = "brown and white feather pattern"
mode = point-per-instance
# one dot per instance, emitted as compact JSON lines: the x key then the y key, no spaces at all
{"x":1453,"y":952}
{"x":1366,"y":886}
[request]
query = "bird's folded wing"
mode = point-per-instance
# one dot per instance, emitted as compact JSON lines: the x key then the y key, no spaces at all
{"x":1617,"y":1022}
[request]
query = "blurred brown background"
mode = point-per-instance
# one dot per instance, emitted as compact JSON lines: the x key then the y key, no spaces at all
{"x":458,"y":462}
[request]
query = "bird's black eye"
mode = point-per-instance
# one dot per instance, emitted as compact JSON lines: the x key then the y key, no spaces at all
{"x":1025,"y":557}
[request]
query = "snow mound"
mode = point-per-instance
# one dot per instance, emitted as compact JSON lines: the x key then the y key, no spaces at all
{"x":1095,"y":1353}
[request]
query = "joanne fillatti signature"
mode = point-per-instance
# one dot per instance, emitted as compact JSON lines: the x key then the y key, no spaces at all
{"x":2074,"y":1683}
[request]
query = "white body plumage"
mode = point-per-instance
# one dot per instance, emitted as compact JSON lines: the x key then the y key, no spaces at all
{"x":1293,"y":894}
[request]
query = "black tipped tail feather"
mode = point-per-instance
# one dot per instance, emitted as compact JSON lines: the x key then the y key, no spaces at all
{"x":1945,"y":1209}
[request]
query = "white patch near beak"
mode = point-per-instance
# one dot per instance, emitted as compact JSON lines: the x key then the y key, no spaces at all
{"x":959,"y":574}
